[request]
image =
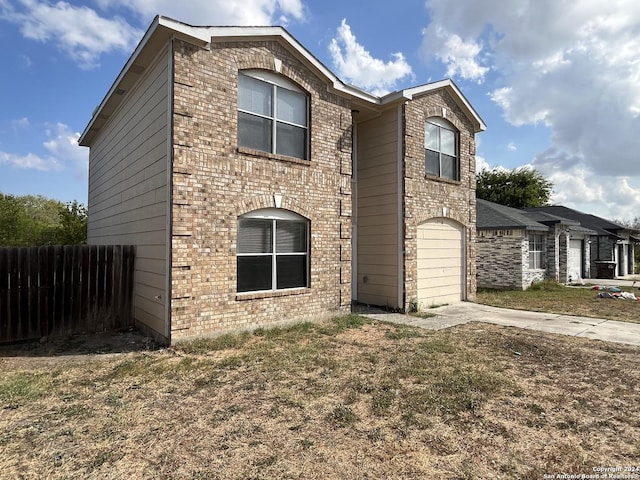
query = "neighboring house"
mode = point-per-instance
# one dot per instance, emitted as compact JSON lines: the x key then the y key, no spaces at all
{"x":612,"y":245}
{"x":516,"y":247}
{"x":259,"y":188}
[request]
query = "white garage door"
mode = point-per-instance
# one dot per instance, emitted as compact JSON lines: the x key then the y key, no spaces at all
{"x":574,"y":262}
{"x":440,"y":262}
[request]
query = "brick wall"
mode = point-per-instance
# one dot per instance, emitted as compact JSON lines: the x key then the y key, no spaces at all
{"x":214,"y":182}
{"x":429,"y":197}
{"x":500,"y":259}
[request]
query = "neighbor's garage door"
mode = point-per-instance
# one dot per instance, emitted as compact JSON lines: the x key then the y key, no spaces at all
{"x":440,"y":262}
{"x":574,"y":265}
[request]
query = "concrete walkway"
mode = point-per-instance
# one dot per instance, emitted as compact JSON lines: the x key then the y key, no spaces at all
{"x":463,"y":312}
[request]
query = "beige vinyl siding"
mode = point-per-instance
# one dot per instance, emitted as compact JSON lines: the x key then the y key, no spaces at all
{"x":128,"y":187}
{"x":377,"y":216}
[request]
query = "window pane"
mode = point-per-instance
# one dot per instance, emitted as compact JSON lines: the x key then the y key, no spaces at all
{"x":449,"y":169}
{"x":254,"y":132}
{"x":447,"y":142}
{"x":254,"y":95}
{"x":255,"y":235}
{"x":431,"y":137}
{"x":255,"y":273}
{"x":291,"y":141}
{"x":291,"y":271}
{"x":292,"y":107}
{"x":291,"y":237}
{"x":536,"y":254}
{"x":535,"y":260}
{"x":432,"y":162}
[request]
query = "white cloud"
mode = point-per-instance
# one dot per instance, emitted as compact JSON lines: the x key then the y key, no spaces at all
{"x":63,"y":153}
{"x":460,"y":56}
{"x":85,"y":35}
{"x":62,"y":143}
{"x":481,"y":164}
{"x":512,"y":146}
{"x":20,"y":123}
{"x":77,"y":30}
{"x":608,"y":197}
{"x":30,"y":161}
{"x":356,"y":65}
{"x":570,"y":66}
{"x":215,"y":12}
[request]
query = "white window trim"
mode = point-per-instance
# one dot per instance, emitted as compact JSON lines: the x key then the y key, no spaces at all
{"x":275,"y":215}
{"x":541,"y":251}
{"x":442,"y":123}
{"x":279,"y":82}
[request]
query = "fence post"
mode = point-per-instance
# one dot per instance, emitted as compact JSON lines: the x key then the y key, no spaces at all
{"x":5,"y":306}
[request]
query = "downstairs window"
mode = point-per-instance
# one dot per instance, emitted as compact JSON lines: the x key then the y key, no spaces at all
{"x":272,"y":251}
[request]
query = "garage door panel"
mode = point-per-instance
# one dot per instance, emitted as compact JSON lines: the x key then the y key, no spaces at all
{"x":440,"y":262}
{"x":574,"y":260}
{"x":428,"y":275}
{"x":435,"y":235}
{"x":441,"y":291}
{"x":443,"y":262}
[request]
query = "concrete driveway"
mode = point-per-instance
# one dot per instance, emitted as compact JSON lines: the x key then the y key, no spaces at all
{"x":463,"y":312}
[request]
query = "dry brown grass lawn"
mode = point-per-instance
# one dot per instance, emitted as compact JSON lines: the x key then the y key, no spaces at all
{"x":554,"y":298}
{"x":350,"y":398}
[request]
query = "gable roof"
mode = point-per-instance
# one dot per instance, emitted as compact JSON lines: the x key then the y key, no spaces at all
{"x":163,"y":28}
{"x":599,"y":225}
{"x":491,"y":216}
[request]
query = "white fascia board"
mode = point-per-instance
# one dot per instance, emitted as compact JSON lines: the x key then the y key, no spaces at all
{"x":409,"y":93}
{"x":159,"y":23}
{"x":203,"y":36}
{"x":226,"y":33}
{"x":96,"y":112}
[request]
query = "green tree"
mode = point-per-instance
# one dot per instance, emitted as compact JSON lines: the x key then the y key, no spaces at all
{"x":39,"y":220}
{"x":10,"y":215}
{"x":33,"y":220}
{"x":72,"y":229}
{"x":518,"y":188}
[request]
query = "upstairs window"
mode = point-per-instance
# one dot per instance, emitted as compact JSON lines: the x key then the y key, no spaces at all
{"x":273,"y":251}
{"x":273,"y":115}
{"x":536,"y":252}
{"x":441,"y":149}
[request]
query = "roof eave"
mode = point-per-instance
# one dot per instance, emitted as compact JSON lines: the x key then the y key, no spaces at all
{"x":514,"y":227}
{"x":161,"y":29}
{"x":447,"y":84}
{"x":166,"y":27}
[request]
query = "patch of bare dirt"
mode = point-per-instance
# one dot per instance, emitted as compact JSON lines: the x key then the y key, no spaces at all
{"x":374,"y":401}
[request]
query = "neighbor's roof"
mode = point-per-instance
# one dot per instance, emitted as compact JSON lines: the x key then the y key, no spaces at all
{"x":163,"y":28}
{"x":600,"y":225}
{"x":491,"y":215}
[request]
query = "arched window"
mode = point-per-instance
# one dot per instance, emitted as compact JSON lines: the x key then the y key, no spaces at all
{"x":273,"y":114}
{"x":272,"y":251}
{"x":441,"y":149}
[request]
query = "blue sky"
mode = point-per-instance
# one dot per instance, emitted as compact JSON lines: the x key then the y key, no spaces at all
{"x":557,"y":82}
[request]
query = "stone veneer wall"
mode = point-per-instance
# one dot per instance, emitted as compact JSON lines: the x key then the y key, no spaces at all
{"x":427,"y":197}
{"x":500,"y":257}
{"x":551,"y":261}
{"x":215,"y":181}
{"x":563,"y":256}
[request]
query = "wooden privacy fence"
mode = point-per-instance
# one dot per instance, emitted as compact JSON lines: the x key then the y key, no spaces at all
{"x":62,"y":290}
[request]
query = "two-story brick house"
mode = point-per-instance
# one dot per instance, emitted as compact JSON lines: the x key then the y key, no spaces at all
{"x":259,"y":188}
